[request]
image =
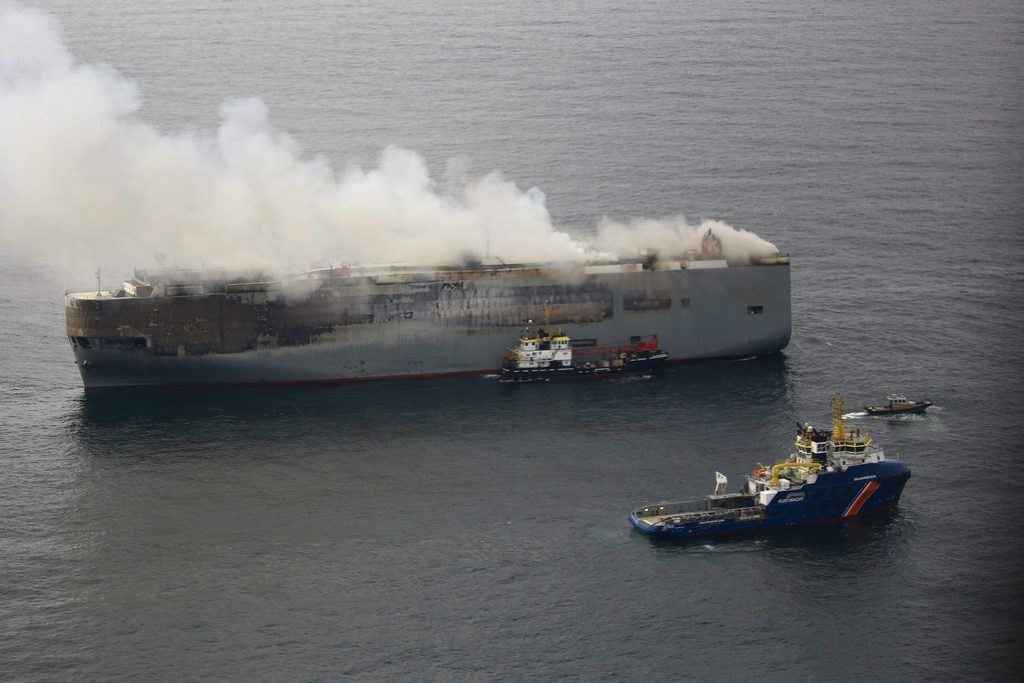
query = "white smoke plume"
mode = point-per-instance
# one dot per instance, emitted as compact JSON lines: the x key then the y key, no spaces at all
{"x":78,"y":166}
{"x":675,"y":237}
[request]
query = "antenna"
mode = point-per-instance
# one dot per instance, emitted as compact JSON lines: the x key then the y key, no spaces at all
{"x":98,"y":288}
{"x":838,"y":423}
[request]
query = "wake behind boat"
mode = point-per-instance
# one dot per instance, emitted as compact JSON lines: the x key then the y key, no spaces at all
{"x":897,"y":404}
{"x":834,"y":475}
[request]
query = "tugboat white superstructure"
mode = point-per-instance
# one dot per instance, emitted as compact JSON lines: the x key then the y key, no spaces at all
{"x":833,"y":475}
{"x":541,"y":356}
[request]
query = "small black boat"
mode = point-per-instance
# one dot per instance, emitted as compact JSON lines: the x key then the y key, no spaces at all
{"x":897,"y":404}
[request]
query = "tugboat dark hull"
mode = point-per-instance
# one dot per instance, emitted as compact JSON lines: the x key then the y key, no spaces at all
{"x":632,"y":366}
{"x":918,"y":407}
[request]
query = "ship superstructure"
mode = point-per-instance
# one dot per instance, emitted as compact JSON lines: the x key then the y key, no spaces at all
{"x":353,"y":323}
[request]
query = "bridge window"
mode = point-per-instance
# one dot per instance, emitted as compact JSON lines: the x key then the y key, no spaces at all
{"x":755,"y":310}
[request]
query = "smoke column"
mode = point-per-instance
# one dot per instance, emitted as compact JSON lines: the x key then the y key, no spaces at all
{"x":79,"y":167}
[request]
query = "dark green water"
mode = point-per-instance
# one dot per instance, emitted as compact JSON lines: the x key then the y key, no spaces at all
{"x":469,"y":530}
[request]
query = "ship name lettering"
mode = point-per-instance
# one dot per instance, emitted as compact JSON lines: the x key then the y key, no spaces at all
{"x":792,"y":499}
{"x":869,"y":476}
{"x":451,"y":286}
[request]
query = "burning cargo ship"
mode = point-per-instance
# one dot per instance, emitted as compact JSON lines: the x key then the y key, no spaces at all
{"x":350,"y":324}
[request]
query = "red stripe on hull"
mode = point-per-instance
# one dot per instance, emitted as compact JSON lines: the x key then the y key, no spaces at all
{"x":858,"y":503}
{"x":306,"y":382}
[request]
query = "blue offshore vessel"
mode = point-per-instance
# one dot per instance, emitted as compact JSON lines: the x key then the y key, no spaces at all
{"x":834,"y":475}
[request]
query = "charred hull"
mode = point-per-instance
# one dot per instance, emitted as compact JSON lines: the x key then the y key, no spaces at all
{"x":390,"y":323}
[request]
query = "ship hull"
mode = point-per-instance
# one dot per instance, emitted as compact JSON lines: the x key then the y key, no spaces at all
{"x":859,"y":491}
{"x":633,"y":366}
{"x":884,"y":410}
{"x":361,"y":329}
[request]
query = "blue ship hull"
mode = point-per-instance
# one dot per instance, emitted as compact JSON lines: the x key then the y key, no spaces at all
{"x":860,"y":490}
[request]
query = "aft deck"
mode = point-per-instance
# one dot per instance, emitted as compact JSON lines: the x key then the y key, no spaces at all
{"x":728,"y":506}
{"x":737,"y":514}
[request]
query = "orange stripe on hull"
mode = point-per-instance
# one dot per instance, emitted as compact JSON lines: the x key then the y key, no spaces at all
{"x":858,"y":503}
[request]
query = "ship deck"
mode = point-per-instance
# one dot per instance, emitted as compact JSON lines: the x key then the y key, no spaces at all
{"x":702,"y":515}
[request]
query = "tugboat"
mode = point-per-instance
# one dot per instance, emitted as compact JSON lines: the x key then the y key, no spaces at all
{"x":541,"y":356}
{"x":897,"y":404}
{"x":834,"y":475}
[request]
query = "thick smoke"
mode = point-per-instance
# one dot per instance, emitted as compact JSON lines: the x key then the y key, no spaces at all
{"x":676,"y":237}
{"x":78,"y":167}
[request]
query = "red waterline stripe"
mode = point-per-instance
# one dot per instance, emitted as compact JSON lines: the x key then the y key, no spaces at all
{"x":300,"y":382}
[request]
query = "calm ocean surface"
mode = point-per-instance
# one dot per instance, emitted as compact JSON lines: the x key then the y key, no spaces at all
{"x":467,"y":530}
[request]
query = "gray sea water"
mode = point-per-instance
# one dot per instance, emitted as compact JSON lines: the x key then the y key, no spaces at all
{"x":466,"y":530}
